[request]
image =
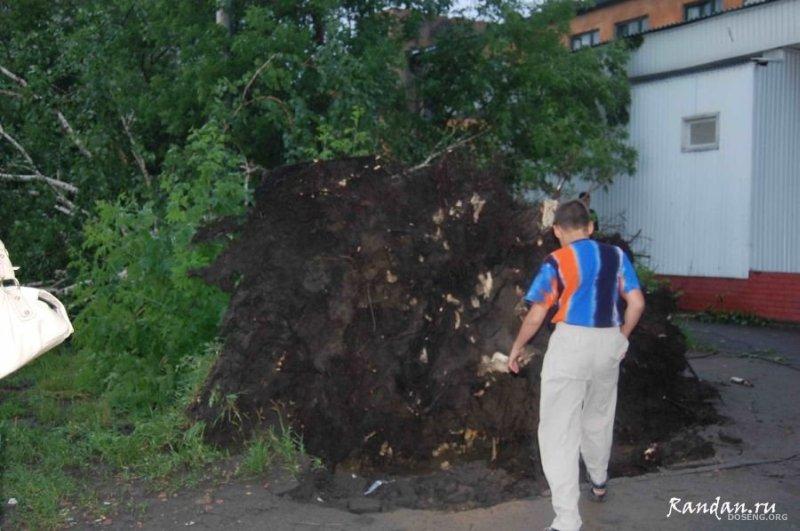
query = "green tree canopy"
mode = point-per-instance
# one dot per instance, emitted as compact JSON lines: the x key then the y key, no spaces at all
{"x":94,"y":95}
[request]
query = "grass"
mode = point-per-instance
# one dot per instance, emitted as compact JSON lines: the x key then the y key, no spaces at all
{"x":691,"y":340}
{"x":67,"y":439}
{"x":281,"y":446}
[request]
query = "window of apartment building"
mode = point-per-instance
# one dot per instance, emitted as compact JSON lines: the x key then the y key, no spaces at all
{"x":632,"y":27}
{"x":700,"y":132}
{"x":589,"y":38}
{"x":702,"y":9}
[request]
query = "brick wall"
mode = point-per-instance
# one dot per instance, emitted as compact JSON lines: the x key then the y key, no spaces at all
{"x":661,"y":13}
{"x":771,"y":295}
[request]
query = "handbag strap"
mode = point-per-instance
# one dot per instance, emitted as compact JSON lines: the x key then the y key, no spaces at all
{"x":6,"y":268}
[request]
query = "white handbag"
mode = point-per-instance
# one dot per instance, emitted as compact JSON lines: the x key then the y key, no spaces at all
{"x":32,"y":321}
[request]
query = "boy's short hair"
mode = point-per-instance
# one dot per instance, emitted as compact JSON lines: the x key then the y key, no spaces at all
{"x":572,"y":215}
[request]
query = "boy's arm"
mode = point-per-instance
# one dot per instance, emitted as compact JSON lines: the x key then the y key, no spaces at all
{"x":631,"y":291}
{"x":530,"y":325}
{"x":634,"y":310}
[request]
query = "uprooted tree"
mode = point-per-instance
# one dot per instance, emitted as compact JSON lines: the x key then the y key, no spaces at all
{"x":124,"y":126}
{"x":369,"y":305}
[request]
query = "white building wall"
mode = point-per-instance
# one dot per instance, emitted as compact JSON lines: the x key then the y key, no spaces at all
{"x":732,"y":34}
{"x":692,"y":208}
{"x":776,"y":166}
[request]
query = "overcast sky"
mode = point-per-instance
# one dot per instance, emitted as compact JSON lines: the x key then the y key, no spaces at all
{"x":469,"y":5}
{"x":464,"y":4}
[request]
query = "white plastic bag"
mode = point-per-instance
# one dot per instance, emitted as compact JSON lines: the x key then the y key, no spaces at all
{"x":32,"y":321}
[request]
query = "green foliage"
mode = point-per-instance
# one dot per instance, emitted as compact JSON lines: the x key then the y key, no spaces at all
{"x":293,"y":81}
{"x":731,"y":317}
{"x":648,"y":279}
{"x":151,"y":65}
{"x":552,"y":115}
{"x":274,"y":446}
{"x":64,"y":438}
{"x":332,"y":142}
{"x":140,"y":311}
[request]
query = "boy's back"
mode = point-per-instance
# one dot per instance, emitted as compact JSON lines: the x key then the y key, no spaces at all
{"x":585,"y":280}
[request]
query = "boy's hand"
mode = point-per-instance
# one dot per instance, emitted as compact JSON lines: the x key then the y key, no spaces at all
{"x":513,"y":360}
{"x":530,"y":325}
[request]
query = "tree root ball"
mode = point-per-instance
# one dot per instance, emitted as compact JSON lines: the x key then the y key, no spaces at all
{"x":371,"y":309}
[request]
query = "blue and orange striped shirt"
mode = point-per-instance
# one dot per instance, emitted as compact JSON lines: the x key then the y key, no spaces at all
{"x":585,"y":279}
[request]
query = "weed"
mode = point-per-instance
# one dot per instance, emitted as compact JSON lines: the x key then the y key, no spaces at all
{"x":276,"y":446}
{"x":692,"y":342}
{"x":648,"y":279}
{"x":257,"y":458}
{"x":731,"y":317}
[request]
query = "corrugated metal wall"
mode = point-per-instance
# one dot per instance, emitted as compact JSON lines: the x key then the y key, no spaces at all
{"x":693,"y":208}
{"x":732,"y":34}
{"x":776,"y":166}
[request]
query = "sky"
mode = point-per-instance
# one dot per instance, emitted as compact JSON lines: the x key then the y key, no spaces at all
{"x":469,"y":6}
{"x":464,"y":4}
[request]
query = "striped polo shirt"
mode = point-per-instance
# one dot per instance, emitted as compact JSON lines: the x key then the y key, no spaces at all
{"x":585,"y":280}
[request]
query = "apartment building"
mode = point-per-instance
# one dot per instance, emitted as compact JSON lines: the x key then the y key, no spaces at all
{"x":611,"y":19}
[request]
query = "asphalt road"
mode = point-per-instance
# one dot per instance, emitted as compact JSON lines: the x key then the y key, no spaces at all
{"x":757,"y":461}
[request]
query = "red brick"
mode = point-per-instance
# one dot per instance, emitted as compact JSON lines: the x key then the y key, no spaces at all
{"x":772,"y":295}
{"x":660,"y":13}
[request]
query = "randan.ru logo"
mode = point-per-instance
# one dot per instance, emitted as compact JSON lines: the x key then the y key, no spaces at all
{"x":728,"y":510}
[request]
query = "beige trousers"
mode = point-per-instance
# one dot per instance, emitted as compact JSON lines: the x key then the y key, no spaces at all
{"x":578,"y":399}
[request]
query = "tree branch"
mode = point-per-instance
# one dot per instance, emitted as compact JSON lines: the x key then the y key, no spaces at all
{"x":244,"y":102}
{"x":37,"y":175}
{"x":13,"y":77}
{"x":19,"y":148}
{"x":126,"y":122}
{"x":438,"y":153}
{"x":65,"y":125}
{"x":71,"y":133}
{"x":257,"y":73}
{"x":18,"y":177}
{"x":64,"y":210}
{"x":59,"y":187}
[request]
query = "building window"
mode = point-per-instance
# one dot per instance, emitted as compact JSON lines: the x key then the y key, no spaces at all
{"x":589,"y":38}
{"x":701,"y":132}
{"x":702,"y":9}
{"x":632,"y":27}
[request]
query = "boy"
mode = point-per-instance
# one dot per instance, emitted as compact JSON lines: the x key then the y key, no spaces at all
{"x":586,"y":199}
{"x":588,"y":281}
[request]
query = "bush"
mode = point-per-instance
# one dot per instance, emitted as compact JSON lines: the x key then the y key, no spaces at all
{"x":139,"y":311}
{"x":648,"y":279}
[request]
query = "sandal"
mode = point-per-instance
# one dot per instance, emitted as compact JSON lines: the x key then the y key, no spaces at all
{"x":594,"y":496}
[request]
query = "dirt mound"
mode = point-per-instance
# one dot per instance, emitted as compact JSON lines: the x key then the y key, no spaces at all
{"x":367,"y":305}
